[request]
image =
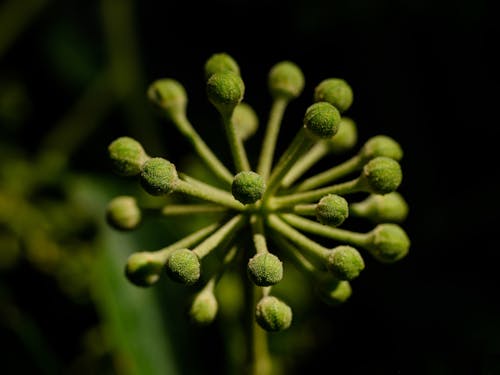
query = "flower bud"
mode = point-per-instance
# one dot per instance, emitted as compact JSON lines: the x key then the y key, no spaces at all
{"x":127,"y":156}
{"x":248,"y":187}
{"x":265,"y":269}
{"x":335,"y":91}
{"x":286,"y":80}
{"x":334,"y":292}
{"x":273,"y":314}
{"x":387,"y":208}
{"x":169,"y":95}
{"x":388,"y":243}
{"x":220,"y":63}
{"x":345,"y":138}
{"x":159,"y":176}
{"x":225,"y":91}
{"x":382,"y":175}
{"x":143,"y":268}
{"x":345,"y":262}
{"x":123,"y":213}
{"x":381,"y":145}
{"x":245,"y":121}
{"x":322,"y":120}
{"x":332,"y":210}
{"x":204,"y":307}
{"x":183,"y":266}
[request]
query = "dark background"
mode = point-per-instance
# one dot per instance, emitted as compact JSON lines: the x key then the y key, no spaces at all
{"x":421,"y":72}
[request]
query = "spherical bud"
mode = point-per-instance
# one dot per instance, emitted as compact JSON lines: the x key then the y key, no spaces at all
{"x":203,"y":308}
{"x":322,"y":120}
{"x":334,"y":292}
{"x":248,"y":187}
{"x":220,"y":63}
{"x":332,"y":210}
{"x":346,"y":137}
{"x":273,"y":314}
{"x":122,"y":213}
{"x":388,"y":243}
{"x":159,"y":176}
{"x":381,"y":145}
{"x":286,"y":80}
{"x":169,"y":95}
{"x":127,"y":156}
{"x":335,"y":91}
{"x":382,"y":175}
{"x":345,"y":262}
{"x":387,"y":208}
{"x":265,"y":269}
{"x":245,"y":121}
{"x":143,"y":268}
{"x":183,"y":266}
{"x":225,"y":91}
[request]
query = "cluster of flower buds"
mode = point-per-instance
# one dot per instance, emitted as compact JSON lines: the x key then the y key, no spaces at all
{"x":269,"y":213}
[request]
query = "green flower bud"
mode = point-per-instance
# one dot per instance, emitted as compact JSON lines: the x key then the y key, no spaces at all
{"x":245,"y":121}
{"x":388,"y":243}
{"x":345,"y":262}
{"x":322,"y":120}
{"x":220,"y":63}
{"x":334,"y":292}
{"x":225,"y":91}
{"x":248,"y":187}
{"x":332,"y":210}
{"x":169,"y":95}
{"x":286,"y":80}
{"x":273,"y":314}
{"x":382,"y":175}
{"x":127,"y":156}
{"x":387,"y":208}
{"x":183,"y":266}
{"x":381,"y":145}
{"x":143,"y":268}
{"x":265,"y":269}
{"x":158,"y":176}
{"x":123,"y":213}
{"x":204,"y":307}
{"x":345,"y":138}
{"x":335,"y":91}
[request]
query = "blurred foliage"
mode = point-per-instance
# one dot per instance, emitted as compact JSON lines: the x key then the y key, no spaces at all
{"x":73,"y":76}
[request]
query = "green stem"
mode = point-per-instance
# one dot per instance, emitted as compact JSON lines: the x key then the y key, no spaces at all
{"x":187,"y":241}
{"x":306,"y":244}
{"x":259,"y":360}
{"x":190,"y":209}
{"x":208,"y":193}
{"x":300,"y":144}
{"x":296,"y":256}
{"x":331,"y":175}
{"x":236,"y":145}
{"x":318,"y":151}
{"x":201,"y":148}
{"x":270,"y":138}
{"x":314,"y":195}
{"x":341,"y":235}
{"x":224,"y":232}
{"x":305,"y":209}
{"x":259,"y":238}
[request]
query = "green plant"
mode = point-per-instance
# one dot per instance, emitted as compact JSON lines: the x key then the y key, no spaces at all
{"x":264,"y":214}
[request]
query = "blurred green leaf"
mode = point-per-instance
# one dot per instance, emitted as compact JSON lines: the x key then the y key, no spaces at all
{"x":132,"y":318}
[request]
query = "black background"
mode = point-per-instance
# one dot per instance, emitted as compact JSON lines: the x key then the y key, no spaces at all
{"x":421,"y":72}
